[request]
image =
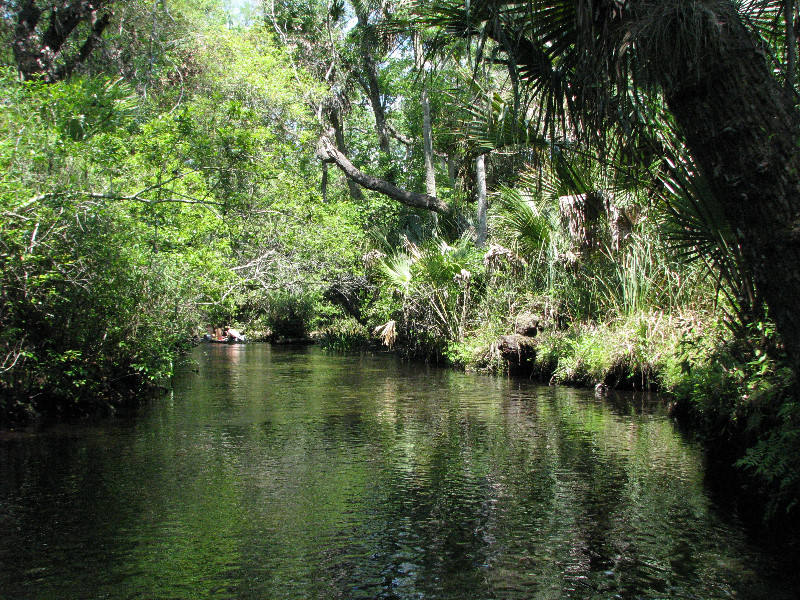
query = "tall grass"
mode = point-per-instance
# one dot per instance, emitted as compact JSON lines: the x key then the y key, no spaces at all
{"x":640,"y":277}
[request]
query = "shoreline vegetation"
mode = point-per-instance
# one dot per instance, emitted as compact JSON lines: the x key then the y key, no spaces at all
{"x":721,"y":391}
{"x":167,"y":167}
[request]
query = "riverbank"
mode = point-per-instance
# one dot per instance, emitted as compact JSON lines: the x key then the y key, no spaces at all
{"x":729,"y":393}
{"x":732,"y":393}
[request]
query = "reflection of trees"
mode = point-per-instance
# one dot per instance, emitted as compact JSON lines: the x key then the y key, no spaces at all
{"x":538,"y":494}
{"x":109,"y":513}
{"x":555,"y":495}
{"x":341,"y":477}
{"x":619,"y":485}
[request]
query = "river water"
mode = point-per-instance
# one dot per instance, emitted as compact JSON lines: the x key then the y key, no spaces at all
{"x":284,"y":473}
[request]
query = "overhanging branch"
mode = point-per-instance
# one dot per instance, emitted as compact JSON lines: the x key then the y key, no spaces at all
{"x":327,"y":152}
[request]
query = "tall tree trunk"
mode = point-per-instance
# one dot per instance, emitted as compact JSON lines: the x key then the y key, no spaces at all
{"x":452,"y":172}
{"x":480,"y":169}
{"x":427,"y":139}
{"x":369,"y":81}
{"x":374,"y":94}
{"x":338,"y":132}
{"x":743,"y":132}
{"x":324,"y":184}
{"x":38,"y":44}
{"x":427,"y":133}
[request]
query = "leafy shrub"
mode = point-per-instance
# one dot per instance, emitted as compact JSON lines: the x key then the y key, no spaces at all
{"x":478,"y":351}
{"x":345,"y":334}
{"x":628,"y":353}
{"x":437,"y":285}
{"x":742,"y":399}
{"x":288,"y":314}
{"x":86,"y":321}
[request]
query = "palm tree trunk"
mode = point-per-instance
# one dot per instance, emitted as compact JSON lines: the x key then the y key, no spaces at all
{"x":480,"y":169}
{"x":789,"y":9}
{"x":371,"y":85}
{"x":743,"y":132}
{"x":427,"y":141}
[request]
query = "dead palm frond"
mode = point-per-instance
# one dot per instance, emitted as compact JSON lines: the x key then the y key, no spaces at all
{"x":387,"y":333}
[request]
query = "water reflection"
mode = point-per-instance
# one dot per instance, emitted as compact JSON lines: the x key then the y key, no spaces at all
{"x":275,"y":473}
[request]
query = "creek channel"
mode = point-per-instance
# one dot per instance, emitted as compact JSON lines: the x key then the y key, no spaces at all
{"x":272,"y":472}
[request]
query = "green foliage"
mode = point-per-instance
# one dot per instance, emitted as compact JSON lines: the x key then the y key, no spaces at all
{"x":522,"y":221}
{"x":397,"y":271}
{"x":476,"y":352}
{"x":345,"y":335}
{"x":126,"y":226}
{"x":773,"y":459}
{"x":693,"y":222}
{"x":288,"y":315}
{"x":741,"y":397}
{"x":437,"y":285}
{"x":83,"y":316}
{"x":712,"y":375}
{"x":642,"y":275}
{"x":627,"y":353}
{"x":88,"y":106}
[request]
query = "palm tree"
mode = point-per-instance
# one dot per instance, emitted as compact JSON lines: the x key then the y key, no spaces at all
{"x":596,"y":67}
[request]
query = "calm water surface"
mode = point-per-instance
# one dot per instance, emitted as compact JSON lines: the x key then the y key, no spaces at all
{"x":277,"y":473}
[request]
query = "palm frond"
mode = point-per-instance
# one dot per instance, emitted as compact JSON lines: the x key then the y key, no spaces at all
{"x":397,"y":270}
{"x":775,"y":23}
{"x":694,"y":225}
{"x":520,"y":219}
{"x":492,"y":123}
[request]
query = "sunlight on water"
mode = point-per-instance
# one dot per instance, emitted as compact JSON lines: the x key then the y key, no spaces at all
{"x":276,"y":473}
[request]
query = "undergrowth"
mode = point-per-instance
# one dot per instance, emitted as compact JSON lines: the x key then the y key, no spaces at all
{"x":741,"y":399}
{"x":345,"y":335}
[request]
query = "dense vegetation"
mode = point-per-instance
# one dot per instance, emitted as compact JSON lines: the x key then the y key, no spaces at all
{"x":481,"y":184}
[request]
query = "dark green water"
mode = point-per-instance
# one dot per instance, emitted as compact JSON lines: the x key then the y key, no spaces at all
{"x":275,"y":473}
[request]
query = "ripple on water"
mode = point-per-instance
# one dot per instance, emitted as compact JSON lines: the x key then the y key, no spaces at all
{"x":271,"y":473}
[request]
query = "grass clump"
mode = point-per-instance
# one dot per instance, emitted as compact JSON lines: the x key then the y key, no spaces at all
{"x":629,"y":352}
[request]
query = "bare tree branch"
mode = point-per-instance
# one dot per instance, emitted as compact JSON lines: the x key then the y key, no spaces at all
{"x":327,"y":152}
{"x":399,"y":136}
{"x":136,"y":198}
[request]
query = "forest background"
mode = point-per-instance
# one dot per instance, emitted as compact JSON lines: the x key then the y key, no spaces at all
{"x":526,"y":187}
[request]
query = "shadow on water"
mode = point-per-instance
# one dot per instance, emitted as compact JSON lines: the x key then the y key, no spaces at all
{"x":290,"y":473}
